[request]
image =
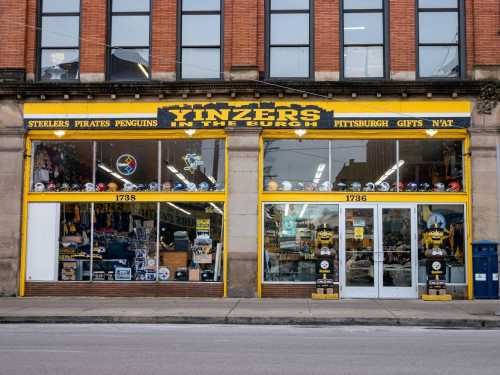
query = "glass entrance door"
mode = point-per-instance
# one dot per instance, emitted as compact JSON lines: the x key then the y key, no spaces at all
{"x":378,"y":251}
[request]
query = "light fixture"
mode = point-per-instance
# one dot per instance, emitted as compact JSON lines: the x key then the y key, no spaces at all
{"x":114,"y":174}
{"x":104,"y":168}
{"x":303,"y":211}
{"x":319,"y":172}
{"x":172,"y":169}
{"x":431,"y":132}
{"x":190,"y":132}
{"x":144,"y":71}
{"x":211,"y":179}
{"x":355,"y":28}
{"x":389,"y":172}
{"x":287,"y":209}
{"x":59,"y":133}
{"x":178,"y":208}
{"x":216,"y":208}
{"x":300,"y":132}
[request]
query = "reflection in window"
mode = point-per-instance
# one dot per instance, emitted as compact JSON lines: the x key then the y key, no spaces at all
{"x":74,"y":242}
{"x":61,"y":166}
{"x":363,"y":43}
{"x":449,"y":220}
{"x":127,"y":166}
{"x":431,"y":165}
{"x":191,"y":237}
{"x":201,"y":39}
{"x":193,"y":165}
{"x":59,"y":41}
{"x":438,"y":39}
{"x":294,"y":233}
{"x":289,"y":39}
{"x":124,"y":242}
{"x":130,"y":40}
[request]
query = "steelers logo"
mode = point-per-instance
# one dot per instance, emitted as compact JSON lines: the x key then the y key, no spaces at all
{"x":126,"y":164}
{"x":436,"y":266}
{"x":324,"y":265}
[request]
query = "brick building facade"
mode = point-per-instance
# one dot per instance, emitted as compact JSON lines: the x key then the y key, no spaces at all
{"x":245,"y":27}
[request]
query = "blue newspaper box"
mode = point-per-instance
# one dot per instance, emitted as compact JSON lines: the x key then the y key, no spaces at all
{"x":485,"y":269}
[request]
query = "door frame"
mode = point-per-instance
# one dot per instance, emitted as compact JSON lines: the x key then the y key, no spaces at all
{"x":378,"y":290}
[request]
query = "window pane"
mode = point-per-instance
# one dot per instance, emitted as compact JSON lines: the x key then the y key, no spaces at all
{"x":439,"y":27}
{"x":61,"y":166}
{"x":61,"y":6}
{"x":449,"y":218}
{"x":289,"y":62}
{"x":437,"y":3}
{"x":289,"y":4}
{"x":359,"y":164}
{"x":431,"y":165}
{"x":193,"y":165}
{"x":295,"y":165}
{"x":362,"y":62}
{"x":74,"y":242}
{"x":60,"y":64}
{"x":191,"y":241}
{"x":201,"y":63}
{"x":362,"y":4}
{"x":131,"y":5}
{"x":289,"y":29}
{"x":363,"y":28}
{"x":292,"y":242}
{"x":439,"y":61}
{"x":124,"y":242}
{"x":130,"y":31}
{"x":60,"y":31}
{"x":201,"y":30}
{"x":200,"y":5}
{"x":127,"y":166}
{"x":129,"y":64}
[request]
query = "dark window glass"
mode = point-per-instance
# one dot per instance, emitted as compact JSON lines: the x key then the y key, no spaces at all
{"x":201,"y":39}
{"x":294,"y":234}
{"x":61,"y":166}
{"x":125,"y":242}
{"x":449,"y":220}
{"x":130,"y":41}
{"x":191,"y":240}
{"x":289,"y":39}
{"x":431,"y":163}
{"x":439,"y":39}
{"x":131,"y":5}
{"x":127,"y":166}
{"x":59,"y":40}
{"x":59,"y":64}
{"x":363,"y":40}
{"x":61,"y":6}
{"x":193,"y":165}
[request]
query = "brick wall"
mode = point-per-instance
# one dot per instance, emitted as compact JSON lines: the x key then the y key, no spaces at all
{"x":93,"y":37}
{"x":164,"y":38}
{"x":486,"y":31}
{"x":402,"y":44}
{"x":326,"y":35}
{"x":12,"y":34}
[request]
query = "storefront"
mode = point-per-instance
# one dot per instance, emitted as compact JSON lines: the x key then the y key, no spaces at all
{"x":132,"y":198}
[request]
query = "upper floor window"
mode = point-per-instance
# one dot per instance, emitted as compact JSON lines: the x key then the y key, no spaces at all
{"x":129,"y":40}
{"x":59,"y":40}
{"x":201,"y":35}
{"x":438,"y":39}
{"x":289,"y":38}
{"x":363,"y":38}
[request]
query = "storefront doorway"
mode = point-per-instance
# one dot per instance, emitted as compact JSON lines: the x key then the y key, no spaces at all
{"x":378,"y":251}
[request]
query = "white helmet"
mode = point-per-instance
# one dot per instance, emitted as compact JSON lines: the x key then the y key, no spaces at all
{"x":39,"y":187}
{"x":384,"y":186}
{"x":129,"y":187}
{"x":89,"y":187}
{"x":370,"y":186}
{"x":286,"y":186}
{"x":325,"y":186}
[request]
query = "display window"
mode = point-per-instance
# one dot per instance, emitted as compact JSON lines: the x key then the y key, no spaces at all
{"x":363,"y":165}
{"x":294,"y":235}
{"x":442,"y":226}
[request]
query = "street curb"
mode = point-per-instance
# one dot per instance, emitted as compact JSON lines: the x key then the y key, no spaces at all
{"x":307,"y":321}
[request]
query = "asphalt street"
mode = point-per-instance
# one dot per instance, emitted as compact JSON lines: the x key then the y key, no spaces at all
{"x":227,"y":350}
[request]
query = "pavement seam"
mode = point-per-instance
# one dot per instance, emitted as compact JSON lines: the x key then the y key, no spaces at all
{"x":226,"y":318}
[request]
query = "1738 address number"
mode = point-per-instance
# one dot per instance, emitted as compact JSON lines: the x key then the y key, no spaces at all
{"x":126,"y":197}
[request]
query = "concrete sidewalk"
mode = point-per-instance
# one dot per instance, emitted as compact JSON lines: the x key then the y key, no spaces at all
{"x":459,"y":314}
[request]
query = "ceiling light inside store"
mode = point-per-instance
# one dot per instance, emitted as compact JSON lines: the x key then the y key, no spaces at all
{"x":216,"y":208}
{"x":300,"y":132}
{"x":172,"y":169}
{"x":287,"y":209}
{"x":303,"y":211}
{"x":431,"y":132}
{"x":319,"y":172}
{"x":59,"y":133}
{"x":104,"y":168}
{"x":190,"y":132}
{"x":178,"y":208}
{"x":389,"y":172}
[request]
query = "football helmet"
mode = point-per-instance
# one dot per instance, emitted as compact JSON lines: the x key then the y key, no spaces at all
{"x":454,"y":187}
{"x":355,"y":186}
{"x":39,"y":187}
{"x":411,"y":187}
{"x":439,"y":187}
{"x":286,"y":186}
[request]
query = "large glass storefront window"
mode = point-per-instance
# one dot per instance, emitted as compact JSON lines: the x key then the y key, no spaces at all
{"x":294,"y":234}
{"x":193,"y":165}
{"x":363,"y":165}
{"x":191,"y":238}
{"x":442,"y":225}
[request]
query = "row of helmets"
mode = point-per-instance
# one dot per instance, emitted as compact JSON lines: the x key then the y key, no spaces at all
{"x":127,"y":187}
{"x":384,"y":186}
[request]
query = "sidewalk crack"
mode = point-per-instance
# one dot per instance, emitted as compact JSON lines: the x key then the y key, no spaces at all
{"x":232,"y":308}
